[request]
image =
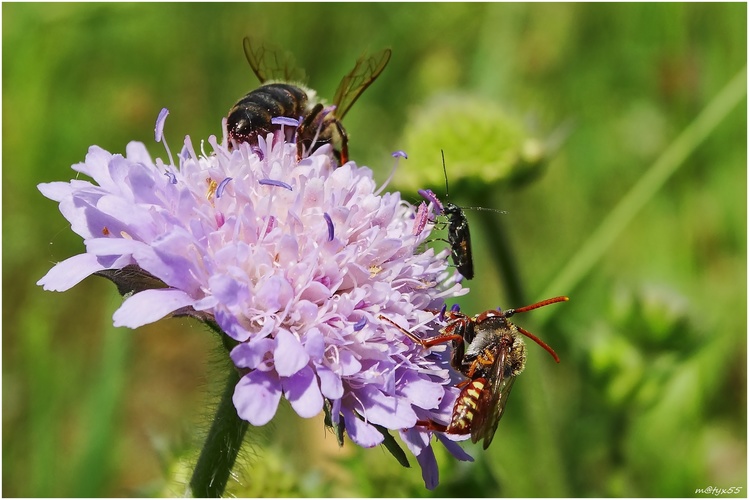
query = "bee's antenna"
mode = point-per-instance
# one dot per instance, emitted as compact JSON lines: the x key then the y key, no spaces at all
{"x":539,"y":342}
{"x":528,"y":334}
{"x":531,"y":307}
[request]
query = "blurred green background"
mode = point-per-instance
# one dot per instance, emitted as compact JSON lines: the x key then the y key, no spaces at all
{"x":552,"y":112}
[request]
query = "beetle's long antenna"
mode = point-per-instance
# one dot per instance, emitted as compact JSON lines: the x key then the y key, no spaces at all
{"x":444,"y":169}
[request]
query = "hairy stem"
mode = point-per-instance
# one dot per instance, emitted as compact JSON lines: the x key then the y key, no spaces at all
{"x":221,"y":446}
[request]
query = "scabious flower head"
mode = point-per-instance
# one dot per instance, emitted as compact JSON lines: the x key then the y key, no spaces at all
{"x":294,"y":259}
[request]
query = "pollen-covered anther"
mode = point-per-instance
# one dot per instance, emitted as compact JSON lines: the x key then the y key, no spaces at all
{"x":374,"y":270}
{"x":212,"y":187}
{"x":420,"y":221}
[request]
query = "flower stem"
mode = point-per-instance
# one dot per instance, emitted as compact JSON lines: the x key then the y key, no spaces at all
{"x":499,"y":242}
{"x":221,"y":446}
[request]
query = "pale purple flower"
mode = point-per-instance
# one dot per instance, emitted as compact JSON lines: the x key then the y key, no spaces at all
{"x":295,"y":260}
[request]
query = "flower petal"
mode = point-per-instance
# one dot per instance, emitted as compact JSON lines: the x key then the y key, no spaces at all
{"x":256,"y":397}
{"x":454,"y":448}
{"x":274,"y":294}
{"x":289,"y":354}
{"x":384,"y":410}
{"x":251,"y":354}
{"x":149,"y":306}
{"x":360,"y":432}
{"x":331,"y":384}
{"x":429,"y":471}
{"x":303,"y":392}
{"x":421,"y":392}
{"x":70,"y":272}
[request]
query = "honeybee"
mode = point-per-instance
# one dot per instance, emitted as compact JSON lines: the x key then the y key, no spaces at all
{"x":489,"y":350}
{"x":255,"y":113}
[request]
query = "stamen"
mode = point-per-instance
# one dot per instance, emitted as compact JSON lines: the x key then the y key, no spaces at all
{"x":159,"y":132}
{"x":214,"y":144}
{"x":271,"y":224}
{"x":212,"y":186}
{"x":374,"y":270}
{"x":331,"y":229}
{"x":190,"y":148}
{"x":172,"y":178}
{"x":225,"y":132}
{"x":442,"y":312}
{"x":159,"y":129}
{"x":221,"y":186}
{"x":359,"y":325}
{"x":397,"y":155}
{"x":421,"y":219}
{"x":428,"y":195}
{"x":284,"y":120}
{"x":273,"y":182}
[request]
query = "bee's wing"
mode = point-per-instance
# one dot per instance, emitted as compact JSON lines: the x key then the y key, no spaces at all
{"x":492,"y":402}
{"x":366,"y":70}
{"x":270,"y":63}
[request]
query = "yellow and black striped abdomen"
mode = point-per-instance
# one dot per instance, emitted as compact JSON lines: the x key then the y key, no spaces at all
{"x":466,"y":407}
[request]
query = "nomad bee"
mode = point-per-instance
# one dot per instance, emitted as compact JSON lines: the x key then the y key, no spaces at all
{"x":256,"y":114}
{"x":489,"y":350}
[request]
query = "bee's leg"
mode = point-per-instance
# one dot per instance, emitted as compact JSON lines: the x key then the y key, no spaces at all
{"x":432,"y":425}
{"x":305,"y":134}
{"x":427,"y":342}
{"x":344,"y":141}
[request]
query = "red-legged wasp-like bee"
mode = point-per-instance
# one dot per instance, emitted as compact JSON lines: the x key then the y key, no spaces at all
{"x":281,"y":95}
{"x":489,"y":350}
